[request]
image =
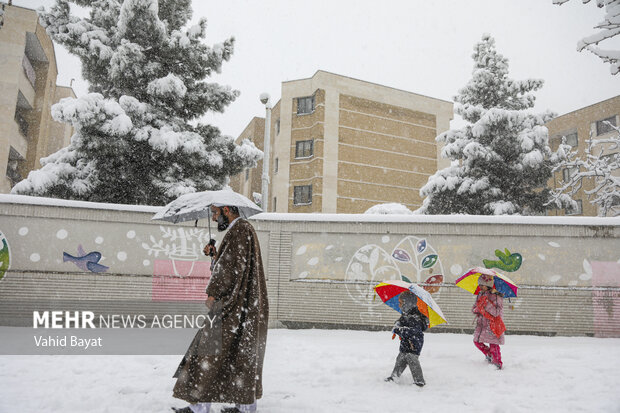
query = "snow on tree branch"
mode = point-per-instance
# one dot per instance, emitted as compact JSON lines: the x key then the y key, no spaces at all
{"x":136,"y":139}
{"x":600,"y":167}
{"x":609,"y":27}
{"x":501,"y":159}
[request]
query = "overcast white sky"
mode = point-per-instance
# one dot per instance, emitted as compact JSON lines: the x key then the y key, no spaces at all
{"x":419,"y":46}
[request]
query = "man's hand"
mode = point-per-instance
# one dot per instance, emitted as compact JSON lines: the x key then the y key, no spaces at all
{"x":209,"y":249}
{"x":209,"y":302}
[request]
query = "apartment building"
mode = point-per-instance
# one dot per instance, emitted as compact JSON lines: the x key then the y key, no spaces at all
{"x":249,"y":181}
{"x":342,"y":145}
{"x":27,"y":91}
{"x":577,"y":127}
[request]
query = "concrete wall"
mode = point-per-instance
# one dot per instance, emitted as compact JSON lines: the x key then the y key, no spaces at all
{"x":321,"y":268}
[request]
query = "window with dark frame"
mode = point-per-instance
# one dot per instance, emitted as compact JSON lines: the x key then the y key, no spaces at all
{"x":572,"y":139}
{"x":304,"y":149}
{"x":247,"y":174}
{"x":22,"y":123}
{"x":575,"y":211}
{"x":275,"y":203}
{"x":13,"y":165}
{"x":568,"y":173}
{"x":275,"y":166}
{"x":603,"y":126}
{"x":305,"y":105}
{"x":302,"y":195}
{"x":277,"y":126}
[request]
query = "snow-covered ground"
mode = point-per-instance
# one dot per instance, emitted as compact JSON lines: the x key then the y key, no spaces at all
{"x":340,"y":371}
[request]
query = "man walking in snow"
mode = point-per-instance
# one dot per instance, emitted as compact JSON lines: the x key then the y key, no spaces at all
{"x":238,"y":287}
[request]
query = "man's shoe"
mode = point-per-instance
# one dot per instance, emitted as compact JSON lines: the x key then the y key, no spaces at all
{"x":182,"y":409}
{"x":388,"y":379}
{"x":420,"y":384}
{"x":230,"y":410}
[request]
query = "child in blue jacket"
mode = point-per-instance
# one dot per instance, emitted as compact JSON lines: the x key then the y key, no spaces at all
{"x":410,"y":328}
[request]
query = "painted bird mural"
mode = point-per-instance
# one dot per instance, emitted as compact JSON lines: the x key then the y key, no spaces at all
{"x":84,"y":261}
{"x":507,"y":261}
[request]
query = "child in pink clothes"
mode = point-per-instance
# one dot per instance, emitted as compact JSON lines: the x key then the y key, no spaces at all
{"x":489,"y":308}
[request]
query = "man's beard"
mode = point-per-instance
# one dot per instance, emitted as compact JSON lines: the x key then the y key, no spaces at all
{"x":222,"y":222}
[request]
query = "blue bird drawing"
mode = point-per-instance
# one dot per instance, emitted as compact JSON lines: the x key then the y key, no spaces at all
{"x":84,"y":261}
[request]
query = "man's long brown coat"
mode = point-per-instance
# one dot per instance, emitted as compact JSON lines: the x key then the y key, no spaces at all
{"x":238,"y":285}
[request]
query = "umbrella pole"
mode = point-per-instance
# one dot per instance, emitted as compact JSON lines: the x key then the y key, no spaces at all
{"x":209,"y":218}
{"x":196,"y":223}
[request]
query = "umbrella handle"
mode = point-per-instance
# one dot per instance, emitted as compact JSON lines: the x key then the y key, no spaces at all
{"x":212,"y":242}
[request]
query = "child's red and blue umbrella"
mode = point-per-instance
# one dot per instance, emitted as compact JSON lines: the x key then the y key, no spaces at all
{"x":503,"y":284}
{"x":389,"y":292}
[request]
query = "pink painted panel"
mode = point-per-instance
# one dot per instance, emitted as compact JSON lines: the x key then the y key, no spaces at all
{"x":176,"y":280}
{"x":606,"y":303}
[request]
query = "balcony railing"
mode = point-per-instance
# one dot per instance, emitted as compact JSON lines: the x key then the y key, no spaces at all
{"x":29,"y":70}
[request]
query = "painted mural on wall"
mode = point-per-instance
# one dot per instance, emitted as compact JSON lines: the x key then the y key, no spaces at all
{"x":407,"y":258}
{"x":5,"y":256}
{"x":506,"y":262}
{"x":178,"y":274}
{"x":85,"y":261}
{"x":355,"y":260}
{"x":412,"y":259}
{"x":172,"y":255}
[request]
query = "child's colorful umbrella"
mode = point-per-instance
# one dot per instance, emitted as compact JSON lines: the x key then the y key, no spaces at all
{"x":503,"y":284}
{"x":389,"y":291}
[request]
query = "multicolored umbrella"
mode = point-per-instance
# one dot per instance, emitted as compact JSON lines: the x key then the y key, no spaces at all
{"x":389,"y":291}
{"x":503,"y":284}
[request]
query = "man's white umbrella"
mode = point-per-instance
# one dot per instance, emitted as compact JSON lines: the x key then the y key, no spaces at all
{"x":197,"y":205}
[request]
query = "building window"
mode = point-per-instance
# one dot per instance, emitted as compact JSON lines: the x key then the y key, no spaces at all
{"x":304,"y":149}
{"x":605,"y":125}
{"x":575,"y":211}
{"x":571,"y":139}
{"x":22,"y":123}
{"x":568,"y":173}
{"x":275,"y":203}
{"x":305,"y":105}
{"x":12,"y":167}
{"x":247,"y":174}
{"x":278,"y":127}
{"x":302,"y":195}
{"x":275,"y":166}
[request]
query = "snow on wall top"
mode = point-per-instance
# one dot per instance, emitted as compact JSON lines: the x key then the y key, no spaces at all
{"x":36,"y":200}
{"x":453,"y":219}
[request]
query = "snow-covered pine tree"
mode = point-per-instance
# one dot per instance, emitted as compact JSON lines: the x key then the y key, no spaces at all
{"x":600,"y":166}
{"x":501,"y":159}
{"x":137,"y":140}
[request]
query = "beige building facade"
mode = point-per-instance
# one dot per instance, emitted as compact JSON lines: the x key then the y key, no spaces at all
{"x":27,"y":91}
{"x":342,"y":145}
{"x":577,"y":127}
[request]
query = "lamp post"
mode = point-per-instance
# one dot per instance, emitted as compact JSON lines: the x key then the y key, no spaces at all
{"x":264,"y":98}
